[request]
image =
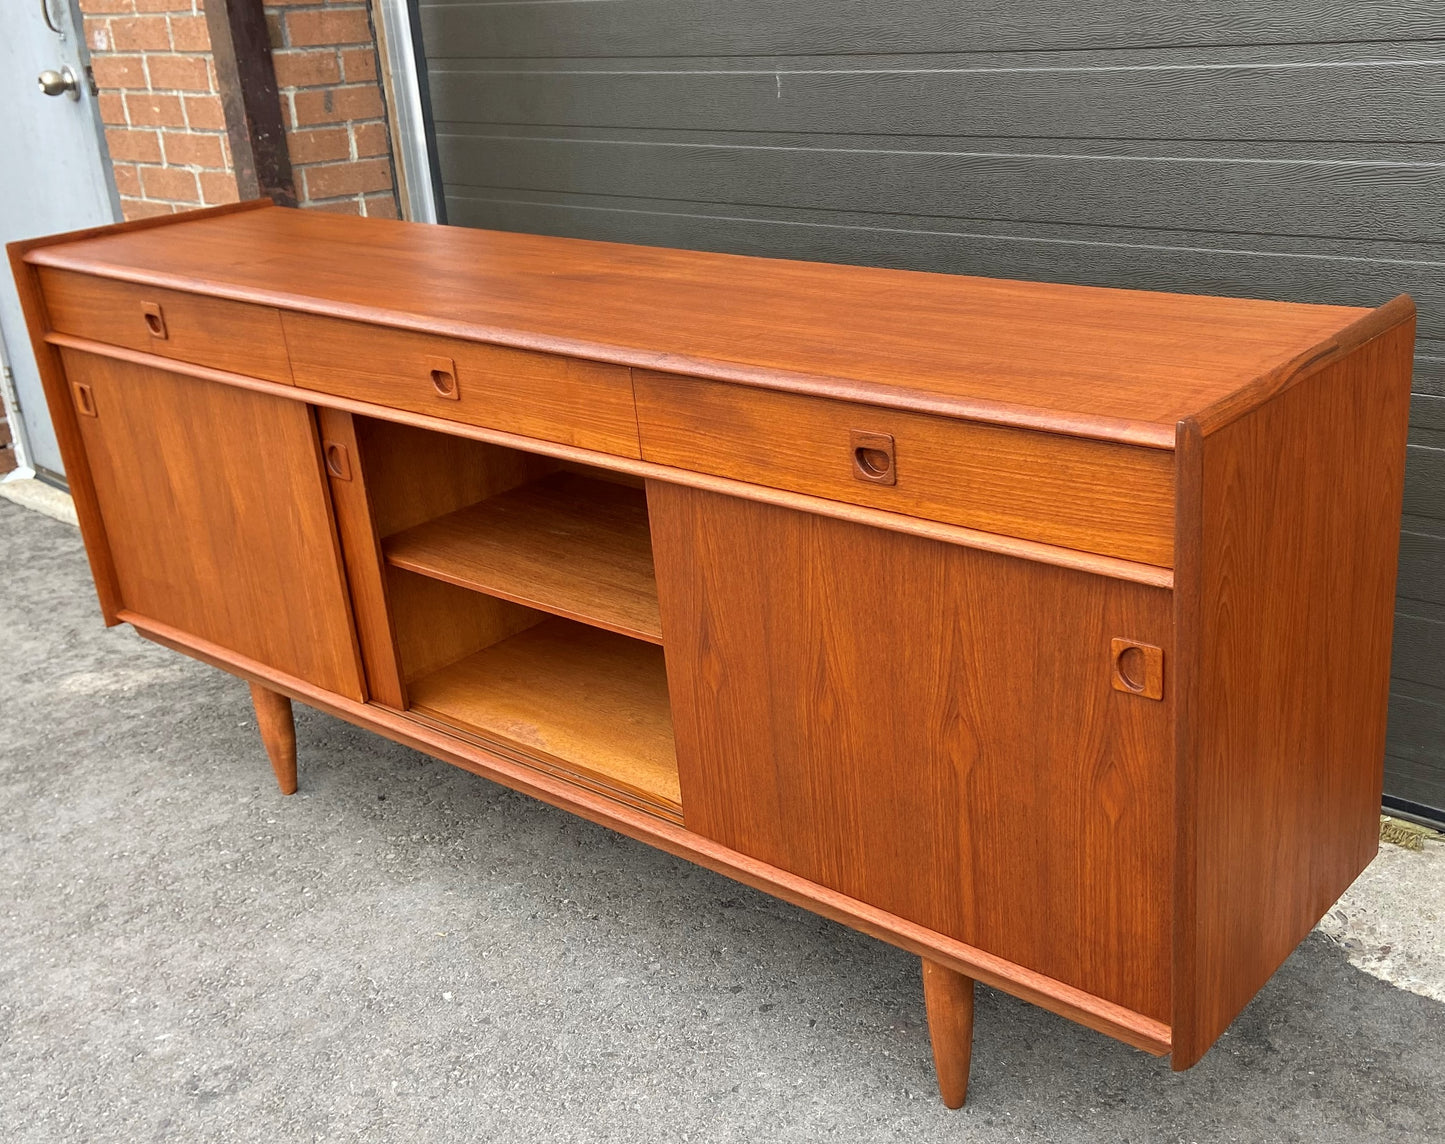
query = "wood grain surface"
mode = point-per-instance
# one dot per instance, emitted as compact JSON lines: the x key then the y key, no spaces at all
{"x":1120,"y":364}
{"x":1285,"y":601}
{"x":576,"y":402}
{"x":948,"y":997}
{"x":199,"y":541}
{"x":591,"y":699}
{"x":361,"y":553}
{"x":1094,"y":496}
{"x":415,"y":474}
{"x":277,"y":724}
{"x":567,"y":544}
{"x":198,"y":328}
{"x":437,"y":623}
{"x":925,"y":728}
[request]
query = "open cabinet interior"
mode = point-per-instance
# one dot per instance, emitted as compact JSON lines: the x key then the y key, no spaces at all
{"x":523,"y":606}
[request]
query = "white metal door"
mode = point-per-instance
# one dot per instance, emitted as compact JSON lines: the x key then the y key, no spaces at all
{"x":53,"y":177}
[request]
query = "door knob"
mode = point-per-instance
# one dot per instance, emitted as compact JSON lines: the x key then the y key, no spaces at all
{"x":62,"y":82}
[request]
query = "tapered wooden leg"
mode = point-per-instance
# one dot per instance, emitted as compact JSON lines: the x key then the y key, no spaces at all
{"x":948,"y":997}
{"x":278,"y":732}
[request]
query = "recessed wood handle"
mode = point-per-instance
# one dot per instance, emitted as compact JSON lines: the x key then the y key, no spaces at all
{"x":338,"y":461}
{"x":84,"y":398}
{"x":1138,"y":668}
{"x":444,"y":377}
{"x":155,"y":319}
{"x":873,"y":459}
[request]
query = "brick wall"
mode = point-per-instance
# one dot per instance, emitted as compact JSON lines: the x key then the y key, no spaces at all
{"x":332,"y":105}
{"x":165,"y":122}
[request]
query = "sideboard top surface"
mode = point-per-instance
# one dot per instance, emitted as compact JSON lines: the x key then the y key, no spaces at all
{"x":1121,"y":364}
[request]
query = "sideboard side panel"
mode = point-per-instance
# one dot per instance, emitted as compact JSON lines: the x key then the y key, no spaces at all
{"x":928,"y":728}
{"x":1289,"y":600}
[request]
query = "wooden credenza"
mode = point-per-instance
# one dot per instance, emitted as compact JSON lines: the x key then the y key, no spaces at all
{"x":1043,"y":631}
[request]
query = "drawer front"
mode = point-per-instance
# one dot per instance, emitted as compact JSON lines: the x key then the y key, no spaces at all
{"x":1091,"y":496}
{"x":546,"y":396}
{"x":215,"y":332}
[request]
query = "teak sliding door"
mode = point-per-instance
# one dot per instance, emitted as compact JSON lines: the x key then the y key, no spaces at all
{"x":928,"y":728}
{"x":217,"y":516}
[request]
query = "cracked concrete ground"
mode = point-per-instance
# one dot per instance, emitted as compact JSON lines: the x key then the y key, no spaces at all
{"x":405,"y":952}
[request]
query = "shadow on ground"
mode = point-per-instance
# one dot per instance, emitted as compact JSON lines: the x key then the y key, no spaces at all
{"x":405,"y":952}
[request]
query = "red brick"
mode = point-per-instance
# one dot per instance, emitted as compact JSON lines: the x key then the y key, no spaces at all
{"x":371,"y":139}
{"x":328,"y":26}
{"x":320,"y":145}
{"x":306,"y":68}
{"x":359,"y":64}
{"x":113,"y":71}
{"x":380,"y":206}
{"x":275,"y":30}
{"x":336,"y":179}
{"x":337,"y":206}
{"x":112,"y":108}
{"x":106,"y":7}
{"x":205,"y":113}
{"x":336,"y":105}
{"x":170,"y":183}
{"x":218,"y":187}
{"x":179,"y":73}
{"x":146,"y":109}
{"x":188,"y":149}
{"x":164,"y":6}
{"x":140,"y":34}
{"x":139,"y":208}
{"x":127,"y":178}
{"x":133,"y":146}
{"x":189,"y":34}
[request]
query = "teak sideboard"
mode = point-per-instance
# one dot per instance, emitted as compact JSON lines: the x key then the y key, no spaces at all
{"x":1042,"y":631}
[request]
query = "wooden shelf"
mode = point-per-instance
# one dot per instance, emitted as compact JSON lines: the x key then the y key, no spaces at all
{"x":566,"y":544}
{"x":582,"y":701}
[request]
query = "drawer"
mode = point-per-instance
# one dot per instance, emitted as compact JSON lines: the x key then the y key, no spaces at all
{"x":215,"y":332}
{"x":1091,"y":496}
{"x":552,"y":398}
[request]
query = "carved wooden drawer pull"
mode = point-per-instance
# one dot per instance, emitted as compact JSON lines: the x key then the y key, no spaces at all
{"x":1138,"y":668}
{"x":444,"y":377}
{"x":873,"y":457}
{"x":155,"y":320}
{"x":338,"y":462}
{"x":84,"y":398}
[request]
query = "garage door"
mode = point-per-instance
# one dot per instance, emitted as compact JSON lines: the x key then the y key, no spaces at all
{"x":1233,"y":147}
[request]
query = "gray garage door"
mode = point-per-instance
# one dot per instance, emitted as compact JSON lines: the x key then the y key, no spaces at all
{"x":1231,"y":147}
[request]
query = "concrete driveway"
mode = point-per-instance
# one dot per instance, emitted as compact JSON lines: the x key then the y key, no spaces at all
{"x":404,"y":952}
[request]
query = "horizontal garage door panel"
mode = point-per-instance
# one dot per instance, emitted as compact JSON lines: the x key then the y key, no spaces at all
{"x":765,"y":27}
{"x":1400,"y":202}
{"x":1389,"y":100}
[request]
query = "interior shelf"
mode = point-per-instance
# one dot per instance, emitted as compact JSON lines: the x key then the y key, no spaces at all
{"x":571,"y":545}
{"x":590,"y":703}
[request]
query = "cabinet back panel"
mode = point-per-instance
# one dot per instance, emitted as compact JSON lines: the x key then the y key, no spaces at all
{"x":928,"y":728}
{"x":415,"y":475}
{"x":209,"y":536}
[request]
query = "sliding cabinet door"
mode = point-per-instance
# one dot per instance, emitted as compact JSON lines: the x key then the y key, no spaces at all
{"x":928,"y":728}
{"x":217,"y":515}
